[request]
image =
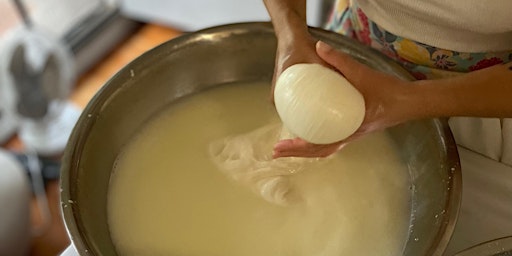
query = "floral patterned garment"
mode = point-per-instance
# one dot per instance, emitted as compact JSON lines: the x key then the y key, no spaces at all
{"x":421,"y":60}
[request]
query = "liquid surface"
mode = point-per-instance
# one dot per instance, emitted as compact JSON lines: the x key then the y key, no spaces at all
{"x":168,"y":198}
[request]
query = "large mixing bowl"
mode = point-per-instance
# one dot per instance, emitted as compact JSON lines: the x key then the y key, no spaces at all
{"x":235,"y":53}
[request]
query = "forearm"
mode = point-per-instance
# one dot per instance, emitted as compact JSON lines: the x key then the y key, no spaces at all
{"x":483,"y":93}
{"x":289,"y":19}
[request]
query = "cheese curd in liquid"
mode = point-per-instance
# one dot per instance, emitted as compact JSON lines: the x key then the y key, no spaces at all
{"x":168,"y":198}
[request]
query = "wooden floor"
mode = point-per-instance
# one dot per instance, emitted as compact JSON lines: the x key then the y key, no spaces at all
{"x":55,"y":239}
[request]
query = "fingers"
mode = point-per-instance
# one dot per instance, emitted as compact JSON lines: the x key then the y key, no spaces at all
{"x":300,"y":148}
{"x":341,"y":61}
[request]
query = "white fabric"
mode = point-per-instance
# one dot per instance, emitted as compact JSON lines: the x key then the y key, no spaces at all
{"x":460,"y":25}
{"x":506,"y":126}
{"x":482,"y":135}
{"x":486,"y":210}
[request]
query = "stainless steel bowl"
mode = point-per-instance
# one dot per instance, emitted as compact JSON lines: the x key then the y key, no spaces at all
{"x":235,"y":53}
{"x":499,"y":247}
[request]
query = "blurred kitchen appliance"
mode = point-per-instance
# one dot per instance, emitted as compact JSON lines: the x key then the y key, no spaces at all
{"x":37,"y":74}
{"x":80,"y":31}
{"x":39,"y":60}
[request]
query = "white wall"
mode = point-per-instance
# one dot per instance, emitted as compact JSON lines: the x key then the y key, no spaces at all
{"x":190,"y":15}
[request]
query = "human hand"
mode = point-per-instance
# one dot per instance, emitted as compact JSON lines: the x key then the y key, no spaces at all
{"x":384,"y":97}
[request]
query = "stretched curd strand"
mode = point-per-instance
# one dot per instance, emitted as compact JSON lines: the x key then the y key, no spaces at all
{"x":318,"y":104}
{"x":246,"y":158}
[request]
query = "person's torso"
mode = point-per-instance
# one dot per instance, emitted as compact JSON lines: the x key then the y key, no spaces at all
{"x":461,"y":25}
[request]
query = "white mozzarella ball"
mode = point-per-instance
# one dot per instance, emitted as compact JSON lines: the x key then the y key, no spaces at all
{"x":318,"y":104}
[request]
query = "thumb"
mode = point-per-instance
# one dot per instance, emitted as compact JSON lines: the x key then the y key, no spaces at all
{"x":339,"y":60}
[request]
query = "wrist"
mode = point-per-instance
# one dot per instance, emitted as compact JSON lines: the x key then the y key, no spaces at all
{"x":292,"y":35}
{"x":296,"y":43}
{"x":403,"y":103}
{"x":290,"y":26}
{"x":288,"y":16}
{"x":427,"y":99}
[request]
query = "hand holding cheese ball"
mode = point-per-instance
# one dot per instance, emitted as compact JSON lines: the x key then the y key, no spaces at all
{"x":296,"y":45}
{"x":382,"y":106}
{"x":390,"y":100}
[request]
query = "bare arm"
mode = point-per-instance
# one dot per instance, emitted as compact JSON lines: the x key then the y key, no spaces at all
{"x":295,"y":44}
{"x":288,"y":18}
{"x":483,"y":93}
